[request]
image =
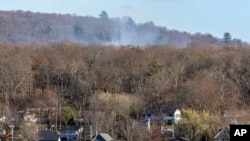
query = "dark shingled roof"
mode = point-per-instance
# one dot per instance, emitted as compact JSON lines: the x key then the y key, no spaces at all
{"x":47,"y":135}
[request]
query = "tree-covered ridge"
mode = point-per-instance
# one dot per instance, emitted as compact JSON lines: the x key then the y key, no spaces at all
{"x":26,"y":27}
{"x":111,"y":86}
{"x":161,"y":75}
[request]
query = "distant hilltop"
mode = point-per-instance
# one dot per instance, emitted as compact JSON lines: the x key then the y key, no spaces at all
{"x":24,"y":27}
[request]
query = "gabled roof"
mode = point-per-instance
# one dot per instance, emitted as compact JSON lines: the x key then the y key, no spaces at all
{"x":170,"y":111}
{"x":47,"y":135}
{"x":102,"y":137}
{"x":164,"y":110}
{"x":223,"y":132}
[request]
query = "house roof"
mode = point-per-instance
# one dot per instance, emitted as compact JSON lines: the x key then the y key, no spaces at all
{"x":170,"y":111}
{"x":105,"y":136}
{"x":47,"y":135}
{"x":70,"y":128}
{"x":164,"y":110}
{"x":223,"y":132}
{"x":102,"y":137}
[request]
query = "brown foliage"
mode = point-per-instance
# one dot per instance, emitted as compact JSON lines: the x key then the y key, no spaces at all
{"x":200,"y":77}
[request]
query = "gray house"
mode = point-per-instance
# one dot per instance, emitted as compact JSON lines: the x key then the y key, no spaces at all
{"x":70,"y":133}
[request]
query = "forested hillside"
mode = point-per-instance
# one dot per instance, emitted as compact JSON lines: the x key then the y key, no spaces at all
{"x":107,"y":72}
{"x":193,"y":77}
{"x":19,"y":27}
{"x":111,"y":84}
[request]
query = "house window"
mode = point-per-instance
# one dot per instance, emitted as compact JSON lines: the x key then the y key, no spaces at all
{"x":63,"y":139}
{"x":169,"y":122}
{"x":170,"y":115}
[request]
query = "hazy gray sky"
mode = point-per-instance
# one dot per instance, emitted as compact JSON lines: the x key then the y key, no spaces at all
{"x":205,"y":16}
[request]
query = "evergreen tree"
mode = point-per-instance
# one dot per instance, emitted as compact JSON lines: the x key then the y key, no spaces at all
{"x":103,"y":15}
{"x":227,"y":38}
{"x":79,"y":32}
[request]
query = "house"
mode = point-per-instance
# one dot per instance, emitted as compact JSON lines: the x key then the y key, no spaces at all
{"x":3,"y":119}
{"x":102,"y":137}
{"x":223,"y":134}
{"x":30,"y":118}
{"x":168,"y":115}
{"x":48,"y":135}
{"x":70,"y":133}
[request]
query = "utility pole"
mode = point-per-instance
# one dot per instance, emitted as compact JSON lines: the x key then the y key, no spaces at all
{"x":91,"y":132}
{"x":173,"y":130}
{"x":56,"y":115}
{"x":60,"y":110}
{"x":12,"y":126}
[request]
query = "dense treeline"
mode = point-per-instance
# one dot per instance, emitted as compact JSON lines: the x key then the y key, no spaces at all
{"x":20,"y":27}
{"x":203,"y":78}
{"x":194,"y":77}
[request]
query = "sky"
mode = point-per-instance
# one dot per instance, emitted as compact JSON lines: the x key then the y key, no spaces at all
{"x":204,"y":16}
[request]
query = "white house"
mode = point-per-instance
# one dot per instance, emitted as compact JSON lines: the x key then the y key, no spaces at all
{"x":30,"y":118}
{"x":3,"y":119}
{"x":168,"y":115}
